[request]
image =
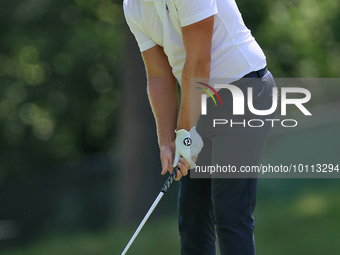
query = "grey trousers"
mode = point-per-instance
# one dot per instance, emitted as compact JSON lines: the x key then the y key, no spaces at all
{"x":225,"y":205}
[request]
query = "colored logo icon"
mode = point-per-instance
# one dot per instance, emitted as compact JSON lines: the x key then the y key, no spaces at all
{"x":209,"y":93}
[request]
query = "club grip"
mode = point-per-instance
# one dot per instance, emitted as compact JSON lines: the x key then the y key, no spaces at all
{"x":170,"y":180}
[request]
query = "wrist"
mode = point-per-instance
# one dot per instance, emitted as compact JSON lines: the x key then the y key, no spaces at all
{"x":167,"y":143}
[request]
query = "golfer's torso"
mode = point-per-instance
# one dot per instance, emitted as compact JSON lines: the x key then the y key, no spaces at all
{"x":234,"y":50}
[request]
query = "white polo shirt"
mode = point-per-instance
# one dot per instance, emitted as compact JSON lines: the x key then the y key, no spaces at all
{"x":234,"y":52}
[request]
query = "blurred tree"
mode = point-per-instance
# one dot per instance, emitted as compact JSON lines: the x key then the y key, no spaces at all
{"x":60,"y":66}
{"x":300,"y":37}
{"x":140,"y":160}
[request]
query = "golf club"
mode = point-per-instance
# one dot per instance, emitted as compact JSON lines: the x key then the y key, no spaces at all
{"x":164,"y":189}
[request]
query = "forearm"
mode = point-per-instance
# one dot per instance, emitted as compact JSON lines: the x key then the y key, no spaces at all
{"x":197,"y":70}
{"x":163,"y":98}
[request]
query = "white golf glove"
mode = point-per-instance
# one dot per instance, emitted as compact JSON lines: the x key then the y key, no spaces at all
{"x":188,"y":145}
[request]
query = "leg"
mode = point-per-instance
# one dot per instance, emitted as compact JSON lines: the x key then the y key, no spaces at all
{"x":234,"y":199}
{"x":234,"y":203}
{"x":195,"y":215}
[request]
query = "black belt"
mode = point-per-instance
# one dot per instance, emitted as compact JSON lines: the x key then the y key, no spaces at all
{"x":256,"y":74}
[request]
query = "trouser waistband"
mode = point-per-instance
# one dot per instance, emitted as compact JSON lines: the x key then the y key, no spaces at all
{"x":256,"y":74}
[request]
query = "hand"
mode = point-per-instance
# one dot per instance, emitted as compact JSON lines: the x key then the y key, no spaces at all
{"x":184,"y":167}
{"x":167,"y":156}
{"x":188,"y":145}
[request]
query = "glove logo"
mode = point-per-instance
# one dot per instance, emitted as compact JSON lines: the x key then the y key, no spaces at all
{"x":187,"y":141}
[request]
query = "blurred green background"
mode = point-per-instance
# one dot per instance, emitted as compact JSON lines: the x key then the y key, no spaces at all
{"x":79,"y":160}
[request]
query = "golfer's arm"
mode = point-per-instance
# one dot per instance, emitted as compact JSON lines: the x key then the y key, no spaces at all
{"x":162,"y":91}
{"x":197,"y":42}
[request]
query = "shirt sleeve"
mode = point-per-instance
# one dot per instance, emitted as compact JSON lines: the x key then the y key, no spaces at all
{"x":192,"y":11}
{"x":143,"y":40}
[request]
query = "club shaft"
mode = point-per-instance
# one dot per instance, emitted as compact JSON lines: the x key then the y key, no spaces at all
{"x":164,"y":189}
{"x":159,"y":197}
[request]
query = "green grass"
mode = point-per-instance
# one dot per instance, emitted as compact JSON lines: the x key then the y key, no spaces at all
{"x":157,"y":237}
{"x":307,"y":223}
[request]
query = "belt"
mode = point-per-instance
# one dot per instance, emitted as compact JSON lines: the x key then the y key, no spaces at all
{"x":256,"y":74}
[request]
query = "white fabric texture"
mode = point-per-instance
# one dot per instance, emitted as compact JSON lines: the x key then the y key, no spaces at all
{"x":234,"y":50}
